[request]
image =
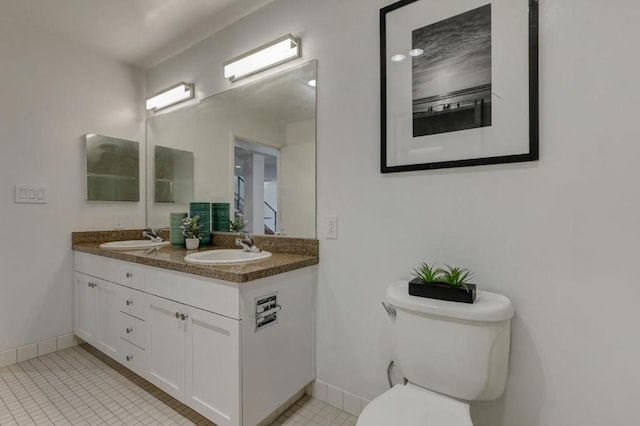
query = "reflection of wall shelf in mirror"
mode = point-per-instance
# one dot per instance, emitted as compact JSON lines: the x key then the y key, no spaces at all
{"x":173,"y":175}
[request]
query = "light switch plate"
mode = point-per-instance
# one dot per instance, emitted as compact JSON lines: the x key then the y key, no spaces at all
{"x":29,"y":194}
{"x":118,"y":221}
{"x":331,"y":227}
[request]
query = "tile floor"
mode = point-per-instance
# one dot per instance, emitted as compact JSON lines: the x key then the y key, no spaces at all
{"x":81,"y":386}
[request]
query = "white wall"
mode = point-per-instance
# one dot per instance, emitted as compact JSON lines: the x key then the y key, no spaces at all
{"x":559,"y":237}
{"x":298,"y":180}
{"x":52,"y":92}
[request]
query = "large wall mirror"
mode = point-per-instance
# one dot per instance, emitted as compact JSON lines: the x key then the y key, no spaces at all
{"x":253,"y":147}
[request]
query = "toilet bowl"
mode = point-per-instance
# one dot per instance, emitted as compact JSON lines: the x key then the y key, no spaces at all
{"x":449,"y":352}
{"x":411,"y":405}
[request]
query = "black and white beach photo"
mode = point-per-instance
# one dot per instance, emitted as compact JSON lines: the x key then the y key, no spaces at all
{"x":451,"y":73}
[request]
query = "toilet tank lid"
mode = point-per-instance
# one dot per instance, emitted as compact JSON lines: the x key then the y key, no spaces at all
{"x":487,"y":307}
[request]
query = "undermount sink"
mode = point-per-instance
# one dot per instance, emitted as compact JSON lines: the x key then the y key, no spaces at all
{"x":225,"y":257}
{"x":133,"y":244}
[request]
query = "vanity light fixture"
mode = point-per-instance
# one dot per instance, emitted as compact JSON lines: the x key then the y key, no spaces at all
{"x":171,"y":96}
{"x":261,"y":58}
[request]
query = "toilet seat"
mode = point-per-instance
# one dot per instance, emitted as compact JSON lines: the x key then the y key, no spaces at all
{"x":410,"y":405}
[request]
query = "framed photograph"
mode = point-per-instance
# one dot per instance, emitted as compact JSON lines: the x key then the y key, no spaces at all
{"x":459,"y":83}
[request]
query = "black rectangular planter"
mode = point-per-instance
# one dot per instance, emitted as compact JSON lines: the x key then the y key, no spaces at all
{"x":442,"y":291}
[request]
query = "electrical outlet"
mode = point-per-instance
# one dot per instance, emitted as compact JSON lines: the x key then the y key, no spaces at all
{"x":331,"y":227}
{"x":118,"y":221}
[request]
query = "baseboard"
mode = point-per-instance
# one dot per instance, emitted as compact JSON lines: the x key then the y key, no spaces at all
{"x":36,"y":349}
{"x":337,"y":397}
{"x":284,"y":407}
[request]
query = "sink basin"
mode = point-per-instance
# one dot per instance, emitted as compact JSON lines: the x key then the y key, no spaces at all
{"x":225,"y":257}
{"x":133,"y":244}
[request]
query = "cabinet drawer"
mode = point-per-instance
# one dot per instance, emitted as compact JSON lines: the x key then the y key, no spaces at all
{"x":133,"y":330}
{"x":134,"y":358}
{"x":125,"y":273}
{"x":208,"y":294}
{"x":134,"y":303}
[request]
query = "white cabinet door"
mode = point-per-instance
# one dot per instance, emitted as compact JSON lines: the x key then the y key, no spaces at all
{"x":213,"y":366}
{"x":166,"y":346}
{"x":107,"y":337}
{"x":85,"y":307}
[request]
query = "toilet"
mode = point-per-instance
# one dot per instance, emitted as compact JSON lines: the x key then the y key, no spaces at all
{"x":449,"y":353}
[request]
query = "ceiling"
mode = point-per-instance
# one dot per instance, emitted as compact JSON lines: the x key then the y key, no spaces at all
{"x":142,"y":33}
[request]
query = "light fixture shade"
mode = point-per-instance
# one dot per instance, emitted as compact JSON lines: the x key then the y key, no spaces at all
{"x":266,"y":56}
{"x":171,"y":96}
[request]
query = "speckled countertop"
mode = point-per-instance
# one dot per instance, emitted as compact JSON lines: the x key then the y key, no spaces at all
{"x":288,"y":254}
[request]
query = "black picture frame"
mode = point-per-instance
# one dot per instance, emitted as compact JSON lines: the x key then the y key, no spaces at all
{"x":532,"y":154}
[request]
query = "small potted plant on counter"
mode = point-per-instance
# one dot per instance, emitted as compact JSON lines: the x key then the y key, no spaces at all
{"x":451,"y":283}
{"x":237,"y":225}
{"x":191,"y":230}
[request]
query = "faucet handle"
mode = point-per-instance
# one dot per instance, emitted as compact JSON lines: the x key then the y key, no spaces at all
{"x":152,"y":233}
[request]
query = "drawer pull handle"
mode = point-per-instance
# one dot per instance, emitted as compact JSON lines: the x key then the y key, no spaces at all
{"x":183,"y":317}
{"x":93,"y":285}
{"x":129,"y":358}
{"x":129,"y":330}
{"x":129,"y":275}
{"x":129,"y":302}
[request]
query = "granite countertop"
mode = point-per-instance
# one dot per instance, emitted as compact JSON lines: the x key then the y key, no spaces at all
{"x":295,"y":253}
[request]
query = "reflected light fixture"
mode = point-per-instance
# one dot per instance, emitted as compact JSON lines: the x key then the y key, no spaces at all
{"x":264,"y":57}
{"x":398,"y":58}
{"x":312,"y":83}
{"x":416,"y":52}
{"x":171,"y":96}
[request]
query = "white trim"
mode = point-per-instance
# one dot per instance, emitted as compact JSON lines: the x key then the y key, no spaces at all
{"x":336,"y":397}
{"x":36,"y":349}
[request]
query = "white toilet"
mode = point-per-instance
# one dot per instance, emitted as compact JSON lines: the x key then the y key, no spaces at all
{"x":449,"y":353}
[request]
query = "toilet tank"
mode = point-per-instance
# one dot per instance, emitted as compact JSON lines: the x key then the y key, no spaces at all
{"x":457,"y":349}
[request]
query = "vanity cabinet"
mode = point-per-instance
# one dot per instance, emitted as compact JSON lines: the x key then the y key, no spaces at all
{"x":95,"y":314}
{"x":202,"y":341}
{"x":85,"y":304}
{"x":195,"y":357}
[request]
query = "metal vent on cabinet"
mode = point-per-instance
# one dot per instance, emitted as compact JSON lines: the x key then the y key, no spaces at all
{"x":267,"y":309}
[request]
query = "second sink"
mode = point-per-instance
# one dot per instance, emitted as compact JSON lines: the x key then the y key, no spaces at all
{"x":133,"y":244}
{"x":225,"y":257}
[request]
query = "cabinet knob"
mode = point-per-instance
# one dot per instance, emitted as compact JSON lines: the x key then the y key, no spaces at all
{"x":129,"y":330}
{"x":93,"y":285}
{"x":178,"y":315}
{"x":129,"y":358}
{"x":183,"y":317}
{"x":129,"y":275}
{"x":129,"y":302}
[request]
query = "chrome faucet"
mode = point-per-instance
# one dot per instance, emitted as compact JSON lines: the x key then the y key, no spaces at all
{"x":247,"y":244}
{"x":152,"y":234}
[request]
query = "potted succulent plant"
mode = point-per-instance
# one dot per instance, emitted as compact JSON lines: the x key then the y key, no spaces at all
{"x":237,"y":224}
{"x":191,"y":230}
{"x":451,"y":283}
